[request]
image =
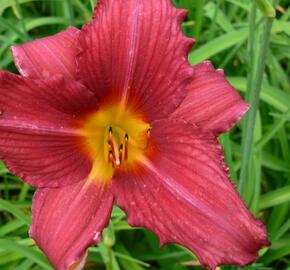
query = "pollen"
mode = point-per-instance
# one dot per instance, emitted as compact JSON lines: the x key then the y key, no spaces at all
{"x":115,"y":140}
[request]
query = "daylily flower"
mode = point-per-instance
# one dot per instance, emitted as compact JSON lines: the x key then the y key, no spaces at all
{"x":114,"y":112}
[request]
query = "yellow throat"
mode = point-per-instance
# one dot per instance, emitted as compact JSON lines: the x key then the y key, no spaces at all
{"x":115,"y":138}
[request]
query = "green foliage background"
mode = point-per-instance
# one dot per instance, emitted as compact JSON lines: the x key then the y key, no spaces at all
{"x":224,"y":35}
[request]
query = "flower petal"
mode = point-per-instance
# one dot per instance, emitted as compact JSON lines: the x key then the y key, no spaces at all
{"x":184,"y":196}
{"x":66,"y":221}
{"x":212,"y":103}
{"x":134,"y":51}
{"x":48,"y":56}
{"x":37,"y":140}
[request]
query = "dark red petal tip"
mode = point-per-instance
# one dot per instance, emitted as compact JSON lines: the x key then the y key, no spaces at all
{"x":66,"y":221}
{"x":141,"y":54}
{"x":184,"y":196}
{"x":212,"y":103}
{"x":37,"y":140}
{"x":48,"y":56}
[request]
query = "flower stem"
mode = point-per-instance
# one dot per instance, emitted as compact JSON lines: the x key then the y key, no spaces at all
{"x":251,"y":50}
{"x":253,"y":95}
{"x":109,"y":264}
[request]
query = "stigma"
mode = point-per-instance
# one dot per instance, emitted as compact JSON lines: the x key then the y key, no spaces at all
{"x":115,"y":140}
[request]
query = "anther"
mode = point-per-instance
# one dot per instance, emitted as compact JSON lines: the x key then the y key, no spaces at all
{"x":126,"y":146}
{"x":148,"y":137}
{"x":121,"y":147}
{"x":149,"y":132}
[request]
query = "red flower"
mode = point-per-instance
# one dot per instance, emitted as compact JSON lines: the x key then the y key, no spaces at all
{"x":115,"y":112}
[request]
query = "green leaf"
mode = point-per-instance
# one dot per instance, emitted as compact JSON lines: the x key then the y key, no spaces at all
{"x":8,"y":206}
{"x":275,"y":197}
{"x":30,"y":253}
{"x":271,"y":95}
{"x":217,"y":45}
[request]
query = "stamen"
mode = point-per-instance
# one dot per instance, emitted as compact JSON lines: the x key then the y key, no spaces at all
{"x":115,"y":153}
{"x":111,"y":158}
{"x":126,"y":146}
{"x":111,"y":148}
{"x":111,"y":153}
{"x":120,"y":153}
{"x":110,"y":133}
{"x":149,"y":131}
{"x":117,"y":161}
{"x":148,"y":137}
